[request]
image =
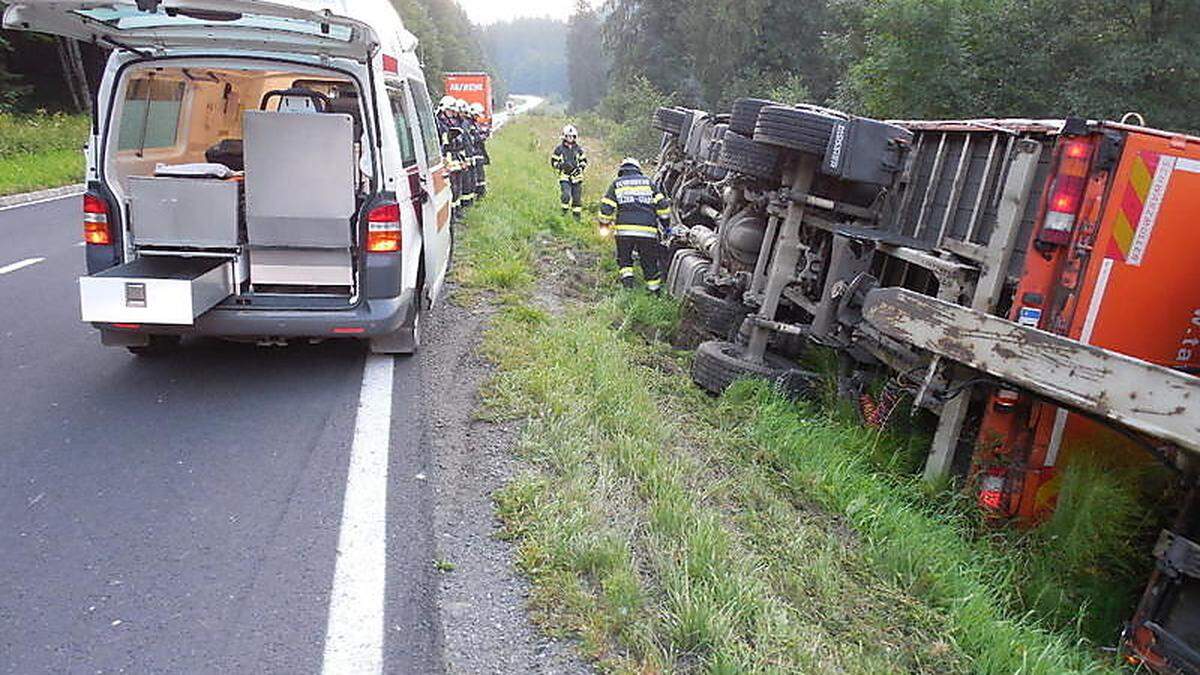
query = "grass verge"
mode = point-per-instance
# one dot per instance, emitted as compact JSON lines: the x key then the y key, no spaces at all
{"x":671,"y":532}
{"x":40,"y":151}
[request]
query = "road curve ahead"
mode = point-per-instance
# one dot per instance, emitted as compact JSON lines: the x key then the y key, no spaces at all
{"x":183,"y":514}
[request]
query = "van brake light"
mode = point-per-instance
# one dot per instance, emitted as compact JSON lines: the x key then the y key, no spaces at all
{"x":1066,"y":192}
{"x":95,"y":221}
{"x":383,"y":229}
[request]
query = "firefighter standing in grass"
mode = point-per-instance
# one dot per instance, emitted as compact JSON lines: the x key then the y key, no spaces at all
{"x":466,"y":152}
{"x":570,"y":160}
{"x":637,"y":214}
{"x":483,"y":132}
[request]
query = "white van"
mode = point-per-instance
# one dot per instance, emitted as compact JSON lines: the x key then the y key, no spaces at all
{"x":257,"y":170}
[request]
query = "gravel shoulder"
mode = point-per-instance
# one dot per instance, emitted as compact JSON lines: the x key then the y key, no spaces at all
{"x":481,"y":597}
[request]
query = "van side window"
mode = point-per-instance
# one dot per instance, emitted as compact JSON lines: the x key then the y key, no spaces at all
{"x":403,"y":131}
{"x":150,"y":114}
{"x":429,"y":133}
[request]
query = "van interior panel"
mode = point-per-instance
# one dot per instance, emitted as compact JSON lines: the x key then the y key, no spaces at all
{"x":263,"y":165}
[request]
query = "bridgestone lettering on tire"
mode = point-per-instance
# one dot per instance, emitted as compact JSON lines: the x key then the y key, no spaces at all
{"x":669,"y":120}
{"x":796,"y":129}
{"x":719,"y":364}
{"x":742,"y":155}
{"x":745,"y":115}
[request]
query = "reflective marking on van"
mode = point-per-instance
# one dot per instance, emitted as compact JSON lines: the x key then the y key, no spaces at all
{"x":20,"y":265}
{"x":354,"y":634}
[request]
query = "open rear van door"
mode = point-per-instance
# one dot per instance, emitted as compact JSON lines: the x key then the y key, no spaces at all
{"x":436,"y":214}
{"x":259,"y":25}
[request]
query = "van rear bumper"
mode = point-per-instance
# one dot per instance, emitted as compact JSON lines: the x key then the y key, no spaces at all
{"x":372,"y":318}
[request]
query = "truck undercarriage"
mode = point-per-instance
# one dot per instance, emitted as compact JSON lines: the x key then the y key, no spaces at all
{"x":957,"y":259}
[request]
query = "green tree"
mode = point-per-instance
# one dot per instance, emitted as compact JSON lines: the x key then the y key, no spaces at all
{"x":586,"y":62}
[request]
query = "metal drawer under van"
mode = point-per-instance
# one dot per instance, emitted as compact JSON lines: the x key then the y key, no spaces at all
{"x":154,"y":290}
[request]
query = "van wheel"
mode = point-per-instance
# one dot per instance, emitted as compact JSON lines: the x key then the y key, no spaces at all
{"x":406,"y":341}
{"x":159,"y":345}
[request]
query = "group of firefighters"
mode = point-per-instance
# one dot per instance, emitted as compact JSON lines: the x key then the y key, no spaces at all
{"x":464,"y":131}
{"x":632,"y":210}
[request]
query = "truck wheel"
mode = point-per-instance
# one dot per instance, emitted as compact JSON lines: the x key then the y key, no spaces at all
{"x":805,"y":131}
{"x":669,"y":120}
{"x":406,"y":340}
{"x":742,"y":155}
{"x":719,"y":364}
{"x":745,"y":114}
{"x":718,"y":316}
{"x":159,"y":345}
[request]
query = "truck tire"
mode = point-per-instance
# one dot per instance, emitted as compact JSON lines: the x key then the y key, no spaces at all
{"x":669,"y":120}
{"x":745,"y":115}
{"x":796,"y":129}
{"x":719,"y":364}
{"x":717,"y":316}
{"x":744,"y":156}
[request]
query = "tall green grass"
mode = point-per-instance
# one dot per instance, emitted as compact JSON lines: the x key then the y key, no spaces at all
{"x":41,"y":151}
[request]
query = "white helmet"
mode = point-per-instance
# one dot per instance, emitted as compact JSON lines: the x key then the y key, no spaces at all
{"x":570,"y":131}
{"x":463,"y":106}
{"x":477,"y":109}
{"x":446,"y":103}
{"x":631,"y":161}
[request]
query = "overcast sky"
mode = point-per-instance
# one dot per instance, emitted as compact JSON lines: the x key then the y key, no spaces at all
{"x":490,"y":11}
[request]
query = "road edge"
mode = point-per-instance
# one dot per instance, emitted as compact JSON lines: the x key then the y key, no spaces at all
{"x":27,"y":198}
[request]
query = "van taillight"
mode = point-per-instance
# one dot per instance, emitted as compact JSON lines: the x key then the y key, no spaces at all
{"x":1066,"y":192}
{"x":95,"y":221}
{"x":383,"y":229}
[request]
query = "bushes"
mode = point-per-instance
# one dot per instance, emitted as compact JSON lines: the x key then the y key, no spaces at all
{"x":630,"y":105}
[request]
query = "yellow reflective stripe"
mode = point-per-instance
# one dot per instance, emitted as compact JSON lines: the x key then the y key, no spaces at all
{"x":626,"y":271}
{"x":636,"y":228}
{"x":636,"y":189}
{"x":659,"y":196}
{"x":664,"y":212}
{"x":608,"y":202}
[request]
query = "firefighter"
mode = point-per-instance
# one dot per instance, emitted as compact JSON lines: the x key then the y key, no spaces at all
{"x":466,"y":152}
{"x":637,"y":214}
{"x":570,"y":160}
{"x":447,"y":123}
{"x":483,"y":132}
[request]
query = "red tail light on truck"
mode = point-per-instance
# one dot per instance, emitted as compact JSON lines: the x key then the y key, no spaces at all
{"x":95,"y":221}
{"x":1066,"y":193}
{"x":383,"y":229}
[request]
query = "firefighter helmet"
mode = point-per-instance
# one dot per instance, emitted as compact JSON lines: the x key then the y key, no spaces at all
{"x":632,"y":163}
{"x":463,"y":106}
{"x":570,"y":131}
{"x":446,"y":103}
{"x":477,"y":109}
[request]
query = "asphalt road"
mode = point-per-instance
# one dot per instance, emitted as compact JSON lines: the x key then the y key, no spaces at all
{"x":183,"y":514}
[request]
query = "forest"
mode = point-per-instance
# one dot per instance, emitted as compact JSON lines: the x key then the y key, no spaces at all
{"x":893,"y":58}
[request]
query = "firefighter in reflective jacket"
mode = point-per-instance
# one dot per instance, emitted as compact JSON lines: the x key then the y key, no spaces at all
{"x":447,"y":122}
{"x":637,"y":214}
{"x":570,"y":160}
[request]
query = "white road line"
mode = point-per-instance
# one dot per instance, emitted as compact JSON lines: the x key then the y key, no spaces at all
{"x":354,"y":635}
{"x":20,"y":264}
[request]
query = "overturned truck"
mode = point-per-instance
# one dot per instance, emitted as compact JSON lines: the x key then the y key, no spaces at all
{"x":1031,"y":283}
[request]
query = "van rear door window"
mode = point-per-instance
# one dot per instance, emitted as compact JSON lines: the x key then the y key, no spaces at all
{"x":429,"y":133}
{"x":403,"y":131}
{"x":150,"y":114}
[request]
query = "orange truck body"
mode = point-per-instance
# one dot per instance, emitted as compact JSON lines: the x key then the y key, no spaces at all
{"x":472,"y":88}
{"x":1128,"y":281}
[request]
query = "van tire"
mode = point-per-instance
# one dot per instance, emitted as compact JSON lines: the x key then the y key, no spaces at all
{"x":158,"y":345}
{"x":806,"y":131}
{"x":406,"y":340}
{"x":742,"y":155}
{"x":745,"y":114}
{"x":719,"y":364}
{"x":669,"y":120}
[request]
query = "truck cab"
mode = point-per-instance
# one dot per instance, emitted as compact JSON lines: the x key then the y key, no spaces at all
{"x":256,"y":170}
